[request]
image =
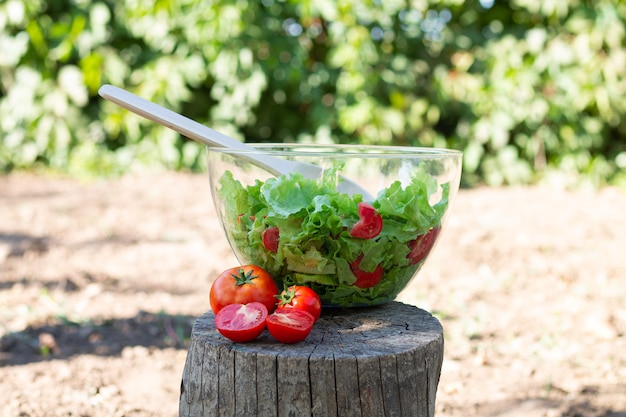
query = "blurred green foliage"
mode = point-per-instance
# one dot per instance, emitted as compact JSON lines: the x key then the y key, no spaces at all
{"x":528,"y":89}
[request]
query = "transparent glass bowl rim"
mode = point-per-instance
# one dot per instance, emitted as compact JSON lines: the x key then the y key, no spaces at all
{"x":340,"y":151}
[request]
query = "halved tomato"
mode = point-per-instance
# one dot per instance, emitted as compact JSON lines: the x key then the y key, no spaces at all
{"x":289,"y":326}
{"x":241,"y":322}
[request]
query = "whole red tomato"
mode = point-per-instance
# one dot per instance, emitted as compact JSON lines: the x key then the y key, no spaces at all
{"x":242,"y":285}
{"x":300,"y":297}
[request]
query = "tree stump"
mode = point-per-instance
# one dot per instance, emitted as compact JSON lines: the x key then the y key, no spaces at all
{"x":370,"y":362}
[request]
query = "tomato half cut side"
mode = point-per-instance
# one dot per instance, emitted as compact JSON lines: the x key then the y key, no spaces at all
{"x":290,"y":326}
{"x":241,"y":322}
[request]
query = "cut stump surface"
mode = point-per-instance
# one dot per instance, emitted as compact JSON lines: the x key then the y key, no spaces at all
{"x":376,"y":361}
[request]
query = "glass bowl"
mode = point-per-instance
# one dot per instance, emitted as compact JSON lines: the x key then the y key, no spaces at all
{"x":353,"y":248}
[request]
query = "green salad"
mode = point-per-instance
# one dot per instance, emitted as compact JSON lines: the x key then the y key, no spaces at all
{"x":351,"y":252}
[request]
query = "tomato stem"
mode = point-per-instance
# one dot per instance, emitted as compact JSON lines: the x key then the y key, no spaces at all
{"x":287,"y":296}
{"x":243,"y":277}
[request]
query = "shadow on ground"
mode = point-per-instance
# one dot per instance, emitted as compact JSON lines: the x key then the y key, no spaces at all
{"x":64,"y":339}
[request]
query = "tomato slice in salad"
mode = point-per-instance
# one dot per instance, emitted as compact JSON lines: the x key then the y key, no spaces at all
{"x":365,"y":279}
{"x":241,"y":322}
{"x":370,"y":222}
{"x":422,"y":245}
{"x":288,"y":325}
{"x":270,"y":237}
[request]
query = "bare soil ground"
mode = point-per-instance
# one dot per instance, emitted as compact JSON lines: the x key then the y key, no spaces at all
{"x":100,"y":284}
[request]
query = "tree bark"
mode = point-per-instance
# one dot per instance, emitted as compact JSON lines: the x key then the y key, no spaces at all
{"x":367,"y":362}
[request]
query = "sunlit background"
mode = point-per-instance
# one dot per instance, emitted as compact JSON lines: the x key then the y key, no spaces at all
{"x":529,"y":90}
